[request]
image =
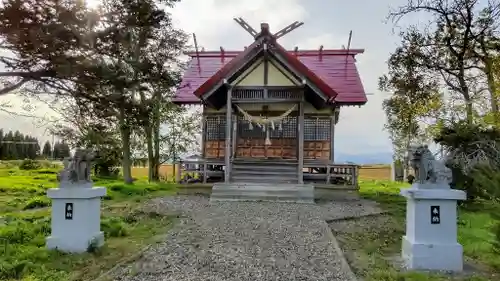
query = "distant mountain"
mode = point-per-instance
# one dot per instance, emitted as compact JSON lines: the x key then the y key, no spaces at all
{"x":368,"y":158}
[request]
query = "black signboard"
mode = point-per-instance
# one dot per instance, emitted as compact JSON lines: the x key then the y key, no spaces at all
{"x":435,"y":215}
{"x":68,"y":211}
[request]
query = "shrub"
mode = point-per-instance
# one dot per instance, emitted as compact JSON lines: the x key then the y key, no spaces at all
{"x":471,"y":148}
{"x":106,"y":163}
{"x":47,"y":172}
{"x":29,"y":164}
{"x":15,"y":270}
{"x":114,"y":227}
{"x":37,"y":202}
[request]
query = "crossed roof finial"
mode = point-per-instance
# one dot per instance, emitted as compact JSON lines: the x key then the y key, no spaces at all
{"x":265,"y":28}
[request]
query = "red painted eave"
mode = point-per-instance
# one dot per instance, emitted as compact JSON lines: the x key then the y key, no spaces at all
{"x":225,"y":69}
{"x":315,"y":53}
{"x":336,"y":68}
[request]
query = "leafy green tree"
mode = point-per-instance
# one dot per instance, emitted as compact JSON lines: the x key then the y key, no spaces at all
{"x":456,"y":43}
{"x":57,"y":150}
{"x":47,"y":150}
{"x":16,"y":146}
{"x":414,"y":97}
{"x":180,"y":136}
{"x":46,"y":42}
{"x":64,"y":150}
{"x":108,"y":61}
{"x":473,"y":153}
{"x":102,"y":137}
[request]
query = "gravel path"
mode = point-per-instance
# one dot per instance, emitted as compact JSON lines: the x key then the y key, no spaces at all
{"x":245,"y":241}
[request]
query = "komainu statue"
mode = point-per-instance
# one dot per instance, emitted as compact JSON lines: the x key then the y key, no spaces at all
{"x":427,"y":169}
{"x":77,"y":169}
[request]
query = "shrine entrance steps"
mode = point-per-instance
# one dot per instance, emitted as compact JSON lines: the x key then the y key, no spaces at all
{"x":269,"y":192}
{"x":263,"y":180}
{"x":264,"y":171}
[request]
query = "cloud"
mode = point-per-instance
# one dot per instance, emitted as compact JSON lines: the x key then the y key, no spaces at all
{"x":327,"y":23}
{"x":212,"y":20}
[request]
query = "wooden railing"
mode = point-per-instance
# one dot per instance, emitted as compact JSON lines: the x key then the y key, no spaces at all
{"x":338,"y":174}
{"x":199,"y":168}
{"x":243,"y":94}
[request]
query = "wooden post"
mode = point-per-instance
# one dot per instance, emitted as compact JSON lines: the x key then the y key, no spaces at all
{"x":205,"y":171}
{"x":234,"y":142}
{"x":355,"y":176}
{"x":332,"y":137}
{"x":328,"y":168}
{"x":300,"y":131}
{"x":227,"y":153}
{"x":203,"y":133}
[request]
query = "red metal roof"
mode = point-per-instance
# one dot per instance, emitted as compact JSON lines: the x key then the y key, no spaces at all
{"x":335,"y":69}
{"x":226,"y":68}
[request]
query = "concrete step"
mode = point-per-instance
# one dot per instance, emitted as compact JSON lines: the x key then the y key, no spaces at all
{"x":296,"y":193}
{"x":244,"y":167}
{"x":258,"y":172}
{"x":260,"y":186}
{"x":265,"y":162}
{"x":246,"y":198}
{"x":265,"y":178}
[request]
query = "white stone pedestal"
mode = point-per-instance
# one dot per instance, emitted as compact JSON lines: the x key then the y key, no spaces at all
{"x":430,"y":242}
{"x":76,"y":218}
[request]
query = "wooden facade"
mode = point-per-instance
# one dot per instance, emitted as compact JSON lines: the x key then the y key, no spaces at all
{"x":267,"y":82}
{"x":318,"y":134}
{"x":268,"y":90}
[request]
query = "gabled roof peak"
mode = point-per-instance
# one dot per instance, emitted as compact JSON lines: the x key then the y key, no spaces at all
{"x":264,"y":32}
{"x":264,"y":27}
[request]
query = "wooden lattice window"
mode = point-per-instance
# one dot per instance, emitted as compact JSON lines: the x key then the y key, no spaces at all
{"x":309,"y":128}
{"x":317,"y":128}
{"x":288,"y":129}
{"x":215,"y":127}
{"x":249,"y":132}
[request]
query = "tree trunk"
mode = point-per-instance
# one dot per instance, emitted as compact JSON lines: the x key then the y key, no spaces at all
{"x":156,"y":136}
{"x":149,"y":144}
{"x":489,"y":71}
{"x":152,"y":130}
{"x":156,"y":147}
{"x":493,"y":95}
{"x":174,"y":156}
{"x":125,"y":133}
{"x":469,"y":111}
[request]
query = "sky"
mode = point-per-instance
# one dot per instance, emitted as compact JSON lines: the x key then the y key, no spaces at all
{"x":326,"y":22}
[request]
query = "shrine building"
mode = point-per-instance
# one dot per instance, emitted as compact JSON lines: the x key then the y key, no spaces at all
{"x":269,"y":114}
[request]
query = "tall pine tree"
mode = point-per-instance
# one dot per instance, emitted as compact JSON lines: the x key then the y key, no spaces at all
{"x":47,"y":150}
{"x":17,"y":146}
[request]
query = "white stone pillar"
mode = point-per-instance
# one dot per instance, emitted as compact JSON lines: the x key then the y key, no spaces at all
{"x":76,"y":218}
{"x":430,"y":242}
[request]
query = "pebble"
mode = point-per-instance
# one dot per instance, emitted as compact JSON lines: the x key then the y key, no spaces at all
{"x":245,"y":241}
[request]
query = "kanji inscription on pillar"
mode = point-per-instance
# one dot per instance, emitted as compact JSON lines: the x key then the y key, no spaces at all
{"x":68,"y":211}
{"x":435,"y":215}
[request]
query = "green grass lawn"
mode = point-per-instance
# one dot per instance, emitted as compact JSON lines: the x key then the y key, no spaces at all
{"x":374,"y":245}
{"x":25,"y":222}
